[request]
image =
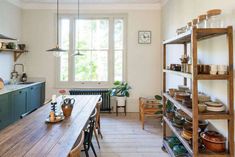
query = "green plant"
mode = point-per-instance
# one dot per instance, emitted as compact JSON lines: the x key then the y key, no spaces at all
{"x":169,"y":105}
{"x":120,"y":89}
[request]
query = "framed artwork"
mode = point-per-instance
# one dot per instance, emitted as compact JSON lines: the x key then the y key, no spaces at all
{"x":144,"y":37}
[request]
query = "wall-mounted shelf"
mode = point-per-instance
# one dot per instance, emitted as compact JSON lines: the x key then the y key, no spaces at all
{"x":17,"y":52}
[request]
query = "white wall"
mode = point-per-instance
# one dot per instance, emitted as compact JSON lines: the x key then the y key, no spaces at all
{"x":143,"y":61}
{"x":175,"y":14}
{"x":10,"y":25}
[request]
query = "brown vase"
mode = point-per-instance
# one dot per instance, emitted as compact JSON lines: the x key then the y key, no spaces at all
{"x":67,"y":106}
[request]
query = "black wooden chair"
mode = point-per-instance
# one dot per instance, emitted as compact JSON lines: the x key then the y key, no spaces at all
{"x":89,"y":134}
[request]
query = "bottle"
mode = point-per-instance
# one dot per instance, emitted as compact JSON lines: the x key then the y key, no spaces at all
{"x":24,"y":77}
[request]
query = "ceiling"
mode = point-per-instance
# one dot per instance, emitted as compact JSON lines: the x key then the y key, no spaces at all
{"x":95,"y":1}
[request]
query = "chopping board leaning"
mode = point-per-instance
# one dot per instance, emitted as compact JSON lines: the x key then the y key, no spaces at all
{"x":1,"y":83}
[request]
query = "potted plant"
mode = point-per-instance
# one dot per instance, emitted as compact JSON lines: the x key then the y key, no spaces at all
{"x":120,"y":91}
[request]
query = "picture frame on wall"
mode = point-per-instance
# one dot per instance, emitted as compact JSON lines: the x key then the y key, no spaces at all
{"x":144,"y":37}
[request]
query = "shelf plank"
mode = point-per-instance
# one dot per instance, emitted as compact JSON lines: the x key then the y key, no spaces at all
{"x":202,"y":34}
{"x":214,"y":115}
{"x":212,"y":77}
{"x":188,"y":111}
{"x":201,"y":116}
{"x":177,"y":134}
{"x":199,"y":77}
{"x":186,"y":75}
{"x":212,"y":154}
{"x":14,"y":50}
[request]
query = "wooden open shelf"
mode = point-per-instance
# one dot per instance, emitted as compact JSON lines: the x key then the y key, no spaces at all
{"x":193,"y":36}
{"x":202,"y":116}
{"x":202,"y":34}
{"x":198,"y":77}
{"x":17,"y":52}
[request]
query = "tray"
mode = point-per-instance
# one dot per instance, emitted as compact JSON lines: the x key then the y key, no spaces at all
{"x":58,"y":119}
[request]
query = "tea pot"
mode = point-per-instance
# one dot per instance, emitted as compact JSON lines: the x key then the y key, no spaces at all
{"x":67,"y":106}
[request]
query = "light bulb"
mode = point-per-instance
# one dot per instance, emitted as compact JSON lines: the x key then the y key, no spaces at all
{"x":57,"y":54}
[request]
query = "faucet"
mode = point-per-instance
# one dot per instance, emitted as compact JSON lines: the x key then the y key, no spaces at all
{"x":14,"y":73}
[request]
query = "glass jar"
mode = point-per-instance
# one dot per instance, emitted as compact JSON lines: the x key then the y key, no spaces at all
{"x":214,"y":19}
{"x":189,"y":26}
{"x":202,"y":22}
{"x":194,"y":22}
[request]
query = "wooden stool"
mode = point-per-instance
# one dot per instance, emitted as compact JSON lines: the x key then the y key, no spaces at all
{"x":117,"y":107}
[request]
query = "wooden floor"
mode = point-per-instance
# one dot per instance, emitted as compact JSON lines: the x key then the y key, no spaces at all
{"x":123,"y":137}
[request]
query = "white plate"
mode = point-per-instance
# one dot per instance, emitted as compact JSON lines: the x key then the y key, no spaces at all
{"x":214,"y":104}
{"x":215,"y":109}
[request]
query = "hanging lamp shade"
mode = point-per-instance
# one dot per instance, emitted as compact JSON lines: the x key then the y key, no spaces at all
{"x":57,"y":50}
{"x":3,"y":37}
{"x":78,"y":52}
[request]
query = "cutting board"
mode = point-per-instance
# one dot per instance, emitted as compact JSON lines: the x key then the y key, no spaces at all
{"x":1,"y":83}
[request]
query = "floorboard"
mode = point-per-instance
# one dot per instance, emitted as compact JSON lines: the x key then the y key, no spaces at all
{"x":124,"y":137}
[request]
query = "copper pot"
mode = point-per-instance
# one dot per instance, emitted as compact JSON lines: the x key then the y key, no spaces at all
{"x":214,"y":141}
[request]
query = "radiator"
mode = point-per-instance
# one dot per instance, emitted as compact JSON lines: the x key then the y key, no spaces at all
{"x":103,"y":92}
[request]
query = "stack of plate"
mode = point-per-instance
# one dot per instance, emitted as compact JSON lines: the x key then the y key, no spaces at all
{"x":215,"y":106}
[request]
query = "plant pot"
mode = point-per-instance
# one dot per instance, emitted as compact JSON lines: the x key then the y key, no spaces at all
{"x":121,"y":100}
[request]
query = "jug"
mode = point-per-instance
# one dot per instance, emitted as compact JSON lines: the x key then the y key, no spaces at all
{"x":67,"y":106}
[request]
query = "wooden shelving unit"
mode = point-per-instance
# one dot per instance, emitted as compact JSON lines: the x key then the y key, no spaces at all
{"x":17,"y":52}
{"x":192,"y":37}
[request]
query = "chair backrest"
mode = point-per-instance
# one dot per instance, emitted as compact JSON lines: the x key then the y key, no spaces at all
{"x":75,"y":152}
{"x":98,"y":106}
{"x":90,"y":129}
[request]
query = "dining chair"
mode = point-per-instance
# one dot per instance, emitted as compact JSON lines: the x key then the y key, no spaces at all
{"x":149,"y":108}
{"x":75,"y":152}
{"x":89,"y":134}
{"x":97,"y":122}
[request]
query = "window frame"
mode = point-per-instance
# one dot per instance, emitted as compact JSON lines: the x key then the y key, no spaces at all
{"x":71,"y":83}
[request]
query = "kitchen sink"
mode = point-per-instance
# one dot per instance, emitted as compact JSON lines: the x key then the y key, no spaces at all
{"x":22,"y":83}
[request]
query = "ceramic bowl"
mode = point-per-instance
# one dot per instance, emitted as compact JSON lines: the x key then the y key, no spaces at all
{"x":172,"y":141}
{"x":179,"y":150}
{"x":202,"y":108}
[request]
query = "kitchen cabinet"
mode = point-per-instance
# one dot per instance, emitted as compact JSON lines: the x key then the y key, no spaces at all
{"x":20,"y":102}
{"x":20,"y":99}
{"x":5,"y":110}
{"x":35,"y":97}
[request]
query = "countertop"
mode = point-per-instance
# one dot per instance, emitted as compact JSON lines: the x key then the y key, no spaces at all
{"x":32,"y":137}
{"x":10,"y":88}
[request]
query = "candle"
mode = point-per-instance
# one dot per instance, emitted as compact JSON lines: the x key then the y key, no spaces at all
{"x":53,"y":100}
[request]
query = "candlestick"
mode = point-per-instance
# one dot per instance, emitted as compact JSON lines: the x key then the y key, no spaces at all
{"x":53,"y":100}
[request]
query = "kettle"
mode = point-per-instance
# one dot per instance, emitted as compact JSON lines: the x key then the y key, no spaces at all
{"x":67,"y":106}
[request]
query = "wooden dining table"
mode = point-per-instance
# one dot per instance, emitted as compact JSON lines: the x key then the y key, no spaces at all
{"x":33,"y":137}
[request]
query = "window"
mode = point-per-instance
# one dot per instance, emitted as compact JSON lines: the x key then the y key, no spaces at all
{"x":101,"y":41}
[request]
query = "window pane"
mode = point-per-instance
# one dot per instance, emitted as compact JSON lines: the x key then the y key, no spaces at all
{"x":92,"y":66}
{"x":92,"y":34}
{"x":118,"y":33}
{"x":64,"y":42}
{"x":118,"y":66}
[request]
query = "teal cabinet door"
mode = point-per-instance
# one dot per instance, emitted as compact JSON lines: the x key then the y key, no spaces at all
{"x":5,"y":110}
{"x":19,"y":103}
{"x":35,"y":95}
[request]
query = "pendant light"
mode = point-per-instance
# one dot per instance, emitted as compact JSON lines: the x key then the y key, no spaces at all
{"x":78,"y":52}
{"x":57,"y":50}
